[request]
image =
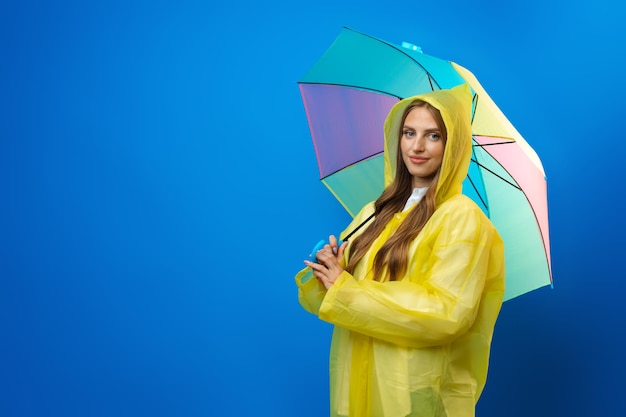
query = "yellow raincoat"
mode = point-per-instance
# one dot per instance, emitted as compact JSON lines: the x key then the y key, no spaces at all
{"x":418,"y":346}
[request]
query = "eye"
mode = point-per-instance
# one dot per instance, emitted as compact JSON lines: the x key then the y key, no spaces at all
{"x":434,"y":136}
{"x":408,"y":133}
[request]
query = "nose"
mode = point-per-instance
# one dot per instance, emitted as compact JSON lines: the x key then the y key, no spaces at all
{"x":418,"y":144}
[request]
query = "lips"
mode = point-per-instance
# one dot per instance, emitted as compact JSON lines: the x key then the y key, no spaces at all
{"x":418,"y":159}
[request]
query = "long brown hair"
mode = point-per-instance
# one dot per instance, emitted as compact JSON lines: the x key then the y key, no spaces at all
{"x":394,"y":252}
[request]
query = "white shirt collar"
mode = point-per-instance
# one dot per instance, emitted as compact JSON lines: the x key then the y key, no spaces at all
{"x":415,"y":197}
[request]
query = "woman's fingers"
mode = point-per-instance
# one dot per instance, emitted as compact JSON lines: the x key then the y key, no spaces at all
{"x":325,"y":256}
{"x":341,"y":249}
{"x":327,"y":267}
{"x":332,"y":241}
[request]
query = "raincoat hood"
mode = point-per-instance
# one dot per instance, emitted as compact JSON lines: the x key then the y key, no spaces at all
{"x":455,"y":105}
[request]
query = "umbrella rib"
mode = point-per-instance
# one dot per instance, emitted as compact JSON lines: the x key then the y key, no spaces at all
{"x":354,"y":163}
{"x":353,"y":86}
{"x":477,"y":192}
{"x":497,"y":175}
{"x":402,"y":52}
{"x":482,"y":145}
{"x":475,"y":104}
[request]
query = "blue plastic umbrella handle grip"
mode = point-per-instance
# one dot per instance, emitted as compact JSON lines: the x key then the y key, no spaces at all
{"x":318,"y":246}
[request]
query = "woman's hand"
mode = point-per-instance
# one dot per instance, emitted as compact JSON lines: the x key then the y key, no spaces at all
{"x":328,"y":266}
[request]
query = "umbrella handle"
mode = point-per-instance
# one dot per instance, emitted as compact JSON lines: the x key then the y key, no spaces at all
{"x":318,"y":246}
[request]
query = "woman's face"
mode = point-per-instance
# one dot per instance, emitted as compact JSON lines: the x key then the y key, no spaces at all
{"x":422,"y":146}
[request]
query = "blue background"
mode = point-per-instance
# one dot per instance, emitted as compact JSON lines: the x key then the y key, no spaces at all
{"x":159,"y":191}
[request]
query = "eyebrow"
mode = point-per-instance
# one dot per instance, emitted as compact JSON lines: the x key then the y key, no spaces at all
{"x":406,"y":127}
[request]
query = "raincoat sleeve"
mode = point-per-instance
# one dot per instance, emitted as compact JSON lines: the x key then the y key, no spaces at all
{"x":311,"y":292}
{"x":439,"y":297}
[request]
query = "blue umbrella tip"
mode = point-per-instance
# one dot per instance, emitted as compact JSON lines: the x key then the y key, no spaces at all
{"x":412,"y":47}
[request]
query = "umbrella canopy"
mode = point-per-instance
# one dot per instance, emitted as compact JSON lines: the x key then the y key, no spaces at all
{"x":347,"y":95}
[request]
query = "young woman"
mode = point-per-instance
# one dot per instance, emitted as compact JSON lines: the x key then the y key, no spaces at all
{"x":415,"y":295}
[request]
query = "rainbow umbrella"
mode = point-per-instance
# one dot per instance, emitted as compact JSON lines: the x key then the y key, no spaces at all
{"x":347,"y":95}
